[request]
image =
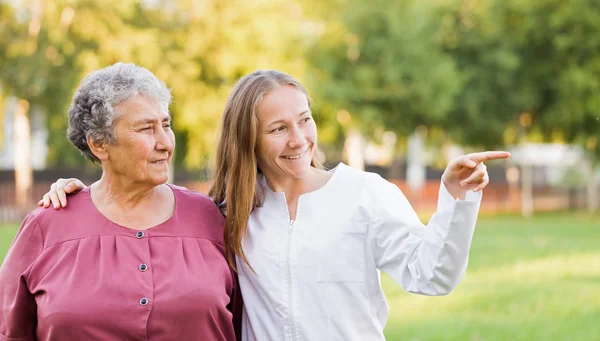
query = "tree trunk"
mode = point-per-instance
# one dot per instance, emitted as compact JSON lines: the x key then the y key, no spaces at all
{"x":416,"y":172}
{"x":7,"y":145}
{"x":527,"y":190}
{"x":354,"y":149}
{"x":38,"y":148}
{"x":22,"y":143}
{"x":415,"y":159}
{"x":592,"y":186}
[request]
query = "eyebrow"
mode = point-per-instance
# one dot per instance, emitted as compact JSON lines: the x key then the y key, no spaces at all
{"x":282,"y":121}
{"x":151,"y":120}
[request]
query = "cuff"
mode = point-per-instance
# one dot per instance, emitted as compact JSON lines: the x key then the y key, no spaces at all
{"x":445,"y":199}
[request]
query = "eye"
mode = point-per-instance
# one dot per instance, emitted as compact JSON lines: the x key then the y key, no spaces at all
{"x":167,"y":125}
{"x":278,"y":129}
{"x":146,"y":128}
{"x":306,"y":119}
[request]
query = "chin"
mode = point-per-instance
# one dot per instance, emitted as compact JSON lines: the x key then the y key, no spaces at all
{"x":160,"y":179}
{"x":301,"y":172}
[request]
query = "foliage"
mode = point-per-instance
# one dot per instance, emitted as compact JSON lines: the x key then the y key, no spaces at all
{"x":199,"y":50}
{"x":488,"y":73}
{"x":382,"y":63}
{"x":485,"y":73}
{"x":529,"y":69}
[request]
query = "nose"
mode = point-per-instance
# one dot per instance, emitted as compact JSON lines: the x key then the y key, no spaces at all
{"x":165,"y":140}
{"x":297,"y":138}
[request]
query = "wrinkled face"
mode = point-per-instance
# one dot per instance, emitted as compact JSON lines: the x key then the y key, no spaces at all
{"x":287,"y":134}
{"x":144,"y":142}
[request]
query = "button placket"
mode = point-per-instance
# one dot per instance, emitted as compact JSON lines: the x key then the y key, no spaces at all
{"x":143,"y":267}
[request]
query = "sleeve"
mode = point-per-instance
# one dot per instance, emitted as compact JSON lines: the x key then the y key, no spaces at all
{"x":236,"y":307}
{"x":18,"y":309}
{"x":428,"y":260}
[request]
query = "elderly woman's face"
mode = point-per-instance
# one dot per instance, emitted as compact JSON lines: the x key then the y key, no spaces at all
{"x":145,"y":142}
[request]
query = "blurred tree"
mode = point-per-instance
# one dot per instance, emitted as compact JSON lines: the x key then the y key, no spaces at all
{"x":200,"y":49}
{"x":382,"y":63}
{"x":487,"y":72}
{"x":24,"y":69}
{"x":572,"y":109}
{"x":480,"y":36}
{"x":528,"y":66}
{"x":45,"y":56}
{"x":380,"y":67}
{"x":530,"y":69}
{"x":218,"y":42}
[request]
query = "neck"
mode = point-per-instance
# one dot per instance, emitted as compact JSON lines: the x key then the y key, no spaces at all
{"x":293,"y":188}
{"x":121,"y":192}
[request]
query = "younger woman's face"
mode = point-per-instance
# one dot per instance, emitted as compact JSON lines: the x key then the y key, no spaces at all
{"x":287,"y":134}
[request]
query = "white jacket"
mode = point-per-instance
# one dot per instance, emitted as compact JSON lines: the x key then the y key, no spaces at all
{"x":317,"y":277}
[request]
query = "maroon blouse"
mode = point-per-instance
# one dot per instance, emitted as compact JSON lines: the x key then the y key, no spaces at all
{"x":71,"y":274}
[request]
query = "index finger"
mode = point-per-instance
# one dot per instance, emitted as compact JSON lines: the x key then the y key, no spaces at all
{"x":488,"y":155}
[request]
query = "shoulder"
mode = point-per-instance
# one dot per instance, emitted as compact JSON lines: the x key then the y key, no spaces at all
{"x":58,"y":223}
{"x":43,"y":226}
{"x":199,"y":212}
{"x":369,"y":190}
{"x":359,"y":179}
{"x":26,"y":246}
{"x":196,"y":200}
{"x":30,"y":225}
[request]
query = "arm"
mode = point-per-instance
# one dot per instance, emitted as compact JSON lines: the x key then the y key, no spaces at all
{"x":18,"y":308}
{"x":430,"y":259}
{"x":57,"y":196}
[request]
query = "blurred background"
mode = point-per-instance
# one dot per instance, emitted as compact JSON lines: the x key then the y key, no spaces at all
{"x":399,"y":88}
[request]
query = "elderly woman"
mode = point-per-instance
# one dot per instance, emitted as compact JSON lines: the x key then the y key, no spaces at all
{"x":105,"y":268}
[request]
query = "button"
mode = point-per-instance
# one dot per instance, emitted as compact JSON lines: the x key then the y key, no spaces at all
{"x":140,"y":234}
{"x":143,"y":267}
{"x":144,"y":301}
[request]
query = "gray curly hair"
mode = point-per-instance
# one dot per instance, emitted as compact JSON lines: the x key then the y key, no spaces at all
{"x":92,"y":112}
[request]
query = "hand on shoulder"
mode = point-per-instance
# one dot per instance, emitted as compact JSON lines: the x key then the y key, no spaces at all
{"x":57,"y":196}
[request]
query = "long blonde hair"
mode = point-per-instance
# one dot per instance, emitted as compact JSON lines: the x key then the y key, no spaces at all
{"x":235,"y":189}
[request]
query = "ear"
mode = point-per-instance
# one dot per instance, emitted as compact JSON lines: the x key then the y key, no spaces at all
{"x":98,"y":149}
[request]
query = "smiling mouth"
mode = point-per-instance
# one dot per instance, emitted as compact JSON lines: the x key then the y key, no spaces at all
{"x":296,"y":157}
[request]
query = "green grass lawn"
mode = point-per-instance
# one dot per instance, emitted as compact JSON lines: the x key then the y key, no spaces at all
{"x":7,"y":234}
{"x":528,"y":280}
